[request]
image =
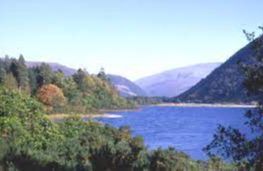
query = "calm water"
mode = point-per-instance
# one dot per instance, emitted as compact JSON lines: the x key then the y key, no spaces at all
{"x":188,"y":129}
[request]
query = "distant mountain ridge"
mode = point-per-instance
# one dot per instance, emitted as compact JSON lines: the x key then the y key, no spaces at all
{"x":125,"y":87}
{"x":174,"y":82}
{"x":224,"y":84}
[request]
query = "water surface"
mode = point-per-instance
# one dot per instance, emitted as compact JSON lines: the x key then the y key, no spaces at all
{"x":188,"y":129}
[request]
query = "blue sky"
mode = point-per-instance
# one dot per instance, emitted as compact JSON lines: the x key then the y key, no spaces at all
{"x":133,"y":38}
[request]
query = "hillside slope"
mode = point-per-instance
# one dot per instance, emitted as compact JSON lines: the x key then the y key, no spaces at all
{"x":224,"y":84}
{"x":126,"y":87}
{"x":174,"y":82}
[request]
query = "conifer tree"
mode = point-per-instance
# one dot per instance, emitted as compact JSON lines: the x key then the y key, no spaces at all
{"x":44,"y":74}
{"x":79,"y":78}
{"x":2,"y":71}
{"x":23,"y":78}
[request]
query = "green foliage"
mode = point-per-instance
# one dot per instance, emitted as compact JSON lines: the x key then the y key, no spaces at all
{"x":14,"y":74}
{"x":79,"y":78}
{"x":29,"y":141}
{"x":10,"y":82}
{"x":32,"y":75}
{"x":13,"y":103}
{"x":2,"y":71}
{"x":84,"y":93}
{"x":19,"y":70}
{"x":245,"y":150}
{"x":59,"y":79}
{"x":44,"y":74}
{"x":24,"y":132}
{"x":91,"y":93}
{"x":166,"y":159}
{"x":22,"y":74}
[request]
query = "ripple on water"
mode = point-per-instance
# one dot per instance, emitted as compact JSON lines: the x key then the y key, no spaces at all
{"x":185,"y":128}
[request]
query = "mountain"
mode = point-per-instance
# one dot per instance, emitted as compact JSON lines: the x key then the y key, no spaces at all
{"x":123,"y":85}
{"x":126,"y":87}
{"x":224,"y":84}
{"x":174,"y":82}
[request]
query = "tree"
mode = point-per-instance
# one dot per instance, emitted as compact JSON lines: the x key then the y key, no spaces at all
{"x":102,"y":75}
{"x":79,"y":78}
{"x":32,"y":75}
{"x":58,"y":79}
{"x":51,"y":96}
{"x":168,"y":159}
{"x":22,"y":78}
{"x":18,"y":69}
{"x":14,"y":68}
{"x":2,"y":71}
{"x":70,"y":88}
{"x":10,"y":82}
{"x":44,"y":74}
{"x":232,"y":143}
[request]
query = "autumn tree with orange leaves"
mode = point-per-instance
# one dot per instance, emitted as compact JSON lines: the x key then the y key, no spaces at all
{"x":52,"y":96}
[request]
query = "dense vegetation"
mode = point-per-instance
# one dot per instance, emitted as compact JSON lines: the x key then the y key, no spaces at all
{"x":231,"y":143}
{"x":29,"y":141}
{"x":81,"y":92}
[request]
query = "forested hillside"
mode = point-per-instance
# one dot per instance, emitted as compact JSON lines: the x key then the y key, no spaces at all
{"x":80,"y":92}
{"x":224,"y":84}
{"x":125,"y":87}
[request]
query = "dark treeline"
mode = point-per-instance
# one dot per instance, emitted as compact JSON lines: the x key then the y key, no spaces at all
{"x":140,"y":100}
{"x":81,"y":92}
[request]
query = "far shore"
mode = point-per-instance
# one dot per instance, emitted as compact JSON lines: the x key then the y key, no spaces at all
{"x":230,"y":105}
{"x":83,"y":116}
{"x":109,"y":115}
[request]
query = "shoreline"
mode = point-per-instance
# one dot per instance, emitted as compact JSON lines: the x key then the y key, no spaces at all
{"x":230,"y":105}
{"x":109,"y":115}
{"x":83,"y":116}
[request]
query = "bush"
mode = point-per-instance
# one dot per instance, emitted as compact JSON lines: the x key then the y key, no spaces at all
{"x":13,"y":103}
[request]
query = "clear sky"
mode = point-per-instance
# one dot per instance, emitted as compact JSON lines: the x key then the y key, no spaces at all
{"x":133,"y":38}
